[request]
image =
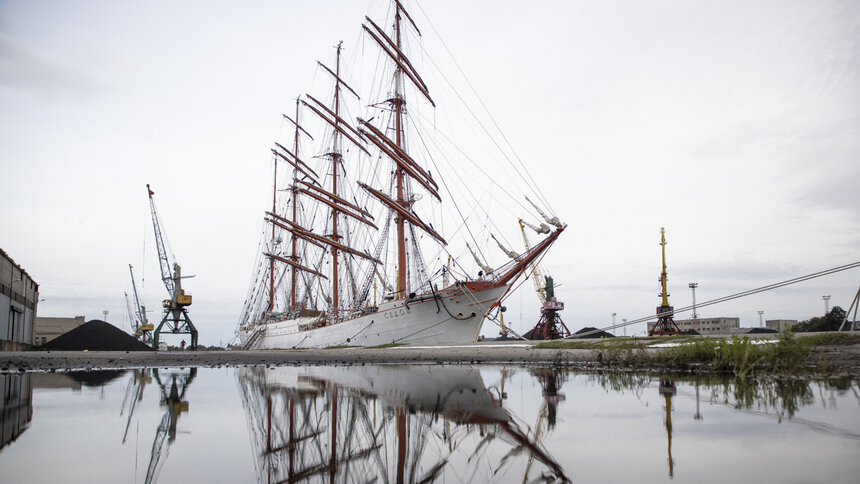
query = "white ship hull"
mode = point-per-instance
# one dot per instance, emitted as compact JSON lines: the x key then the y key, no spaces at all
{"x":453,"y":315}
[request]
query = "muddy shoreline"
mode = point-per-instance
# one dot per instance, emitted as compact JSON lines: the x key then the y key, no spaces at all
{"x":842,"y":360}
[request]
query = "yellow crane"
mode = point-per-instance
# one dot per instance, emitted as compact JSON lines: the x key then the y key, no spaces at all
{"x":175,"y":309}
{"x":537,"y":274}
{"x":665,"y":323}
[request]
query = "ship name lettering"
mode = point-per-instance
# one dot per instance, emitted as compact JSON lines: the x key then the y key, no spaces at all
{"x":394,"y":313}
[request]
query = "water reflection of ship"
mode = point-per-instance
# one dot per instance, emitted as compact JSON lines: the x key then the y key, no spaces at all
{"x":384,"y":422}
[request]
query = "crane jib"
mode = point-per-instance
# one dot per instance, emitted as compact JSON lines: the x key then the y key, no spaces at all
{"x":163,"y":259}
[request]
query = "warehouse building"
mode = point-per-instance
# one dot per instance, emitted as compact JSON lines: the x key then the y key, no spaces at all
{"x":780,"y":324}
{"x":19,"y":295}
{"x":708,"y":326}
{"x":47,"y":329}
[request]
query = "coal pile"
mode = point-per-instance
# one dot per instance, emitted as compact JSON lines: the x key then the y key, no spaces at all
{"x":596,"y":334}
{"x":96,"y":335}
{"x":96,"y":378}
{"x":762,"y":331}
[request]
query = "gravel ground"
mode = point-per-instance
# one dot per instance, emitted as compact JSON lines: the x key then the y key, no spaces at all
{"x":521,"y":353}
{"x":840,"y":359}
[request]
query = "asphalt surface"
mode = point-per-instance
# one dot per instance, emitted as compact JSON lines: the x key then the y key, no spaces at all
{"x":840,"y":359}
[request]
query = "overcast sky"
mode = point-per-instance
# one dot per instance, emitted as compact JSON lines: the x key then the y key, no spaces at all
{"x":732,"y":124}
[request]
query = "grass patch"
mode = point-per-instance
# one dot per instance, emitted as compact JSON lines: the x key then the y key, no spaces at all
{"x":789,"y":354}
{"x":386,"y":345}
{"x":614,"y":344}
{"x":570,"y":345}
{"x":828,"y":339}
{"x":338,"y":347}
{"x":738,"y":355}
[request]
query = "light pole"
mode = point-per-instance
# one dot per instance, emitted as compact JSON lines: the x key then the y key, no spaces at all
{"x":625,"y":326}
{"x":760,"y":324}
{"x":826,"y":304}
{"x":613,"y":322}
{"x":105,"y":312}
{"x":693,"y":286}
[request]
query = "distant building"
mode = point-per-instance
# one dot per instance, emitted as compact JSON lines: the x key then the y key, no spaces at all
{"x":708,"y":326}
{"x":47,"y":329}
{"x":19,"y":295}
{"x":780,"y":324}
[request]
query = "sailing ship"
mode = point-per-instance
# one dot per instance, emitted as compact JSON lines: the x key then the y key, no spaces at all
{"x":352,"y":222}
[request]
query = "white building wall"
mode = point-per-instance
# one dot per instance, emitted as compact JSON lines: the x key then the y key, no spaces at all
{"x":708,"y":326}
{"x":19,"y":296}
{"x":780,"y":324}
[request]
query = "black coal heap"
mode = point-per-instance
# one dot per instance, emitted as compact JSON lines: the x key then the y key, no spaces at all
{"x":96,"y":335}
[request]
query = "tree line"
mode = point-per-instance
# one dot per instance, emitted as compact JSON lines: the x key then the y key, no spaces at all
{"x":829,"y":322}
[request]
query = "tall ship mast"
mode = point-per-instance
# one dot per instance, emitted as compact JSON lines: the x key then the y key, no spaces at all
{"x":357,"y":222}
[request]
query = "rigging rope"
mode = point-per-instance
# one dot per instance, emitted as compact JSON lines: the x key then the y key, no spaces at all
{"x":534,"y":185}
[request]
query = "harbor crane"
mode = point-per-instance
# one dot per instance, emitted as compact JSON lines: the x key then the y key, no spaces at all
{"x":141,"y":328}
{"x":132,"y":318}
{"x":665,"y":323}
{"x":550,"y":325}
{"x":175,"y":308}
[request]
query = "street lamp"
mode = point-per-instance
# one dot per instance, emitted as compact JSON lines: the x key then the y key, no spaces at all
{"x":613,"y":322}
{"x":826,"y":304}
{"x":760,"y":324}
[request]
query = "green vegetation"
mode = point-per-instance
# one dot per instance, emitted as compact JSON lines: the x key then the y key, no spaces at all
{"x":829,"y":339}
{"x":829,"y":322}
{"x":787,"y":355}
{"x":386,"y":345}
{"x":571,"y":345}
{"x":615,"y":343}
{"x":338,"y":347}
{"x":738,"y":355}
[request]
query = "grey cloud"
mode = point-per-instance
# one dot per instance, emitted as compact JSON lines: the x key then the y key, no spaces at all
{"x":40,"y":74}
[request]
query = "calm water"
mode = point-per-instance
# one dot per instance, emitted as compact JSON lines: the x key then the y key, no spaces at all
{"x":423,"y":423}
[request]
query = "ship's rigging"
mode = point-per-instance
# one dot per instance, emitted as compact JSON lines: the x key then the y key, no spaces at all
{"x":362,"y":209}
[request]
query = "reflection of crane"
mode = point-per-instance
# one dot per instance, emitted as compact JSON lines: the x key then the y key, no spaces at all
{"x":667,"y":389}
{"x":665,"y":323}
{"x":134,"y":394}
{"x":174,"y":399}
{"x":550,"y":382}
{"x":175,"y":312}
{"x":137,"y":315}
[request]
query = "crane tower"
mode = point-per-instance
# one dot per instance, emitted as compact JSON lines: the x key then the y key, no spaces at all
{"x":175,"y":312}
{"x":550,"y":325}
{"x":137,"y":315}
{"x":665,"y":322}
